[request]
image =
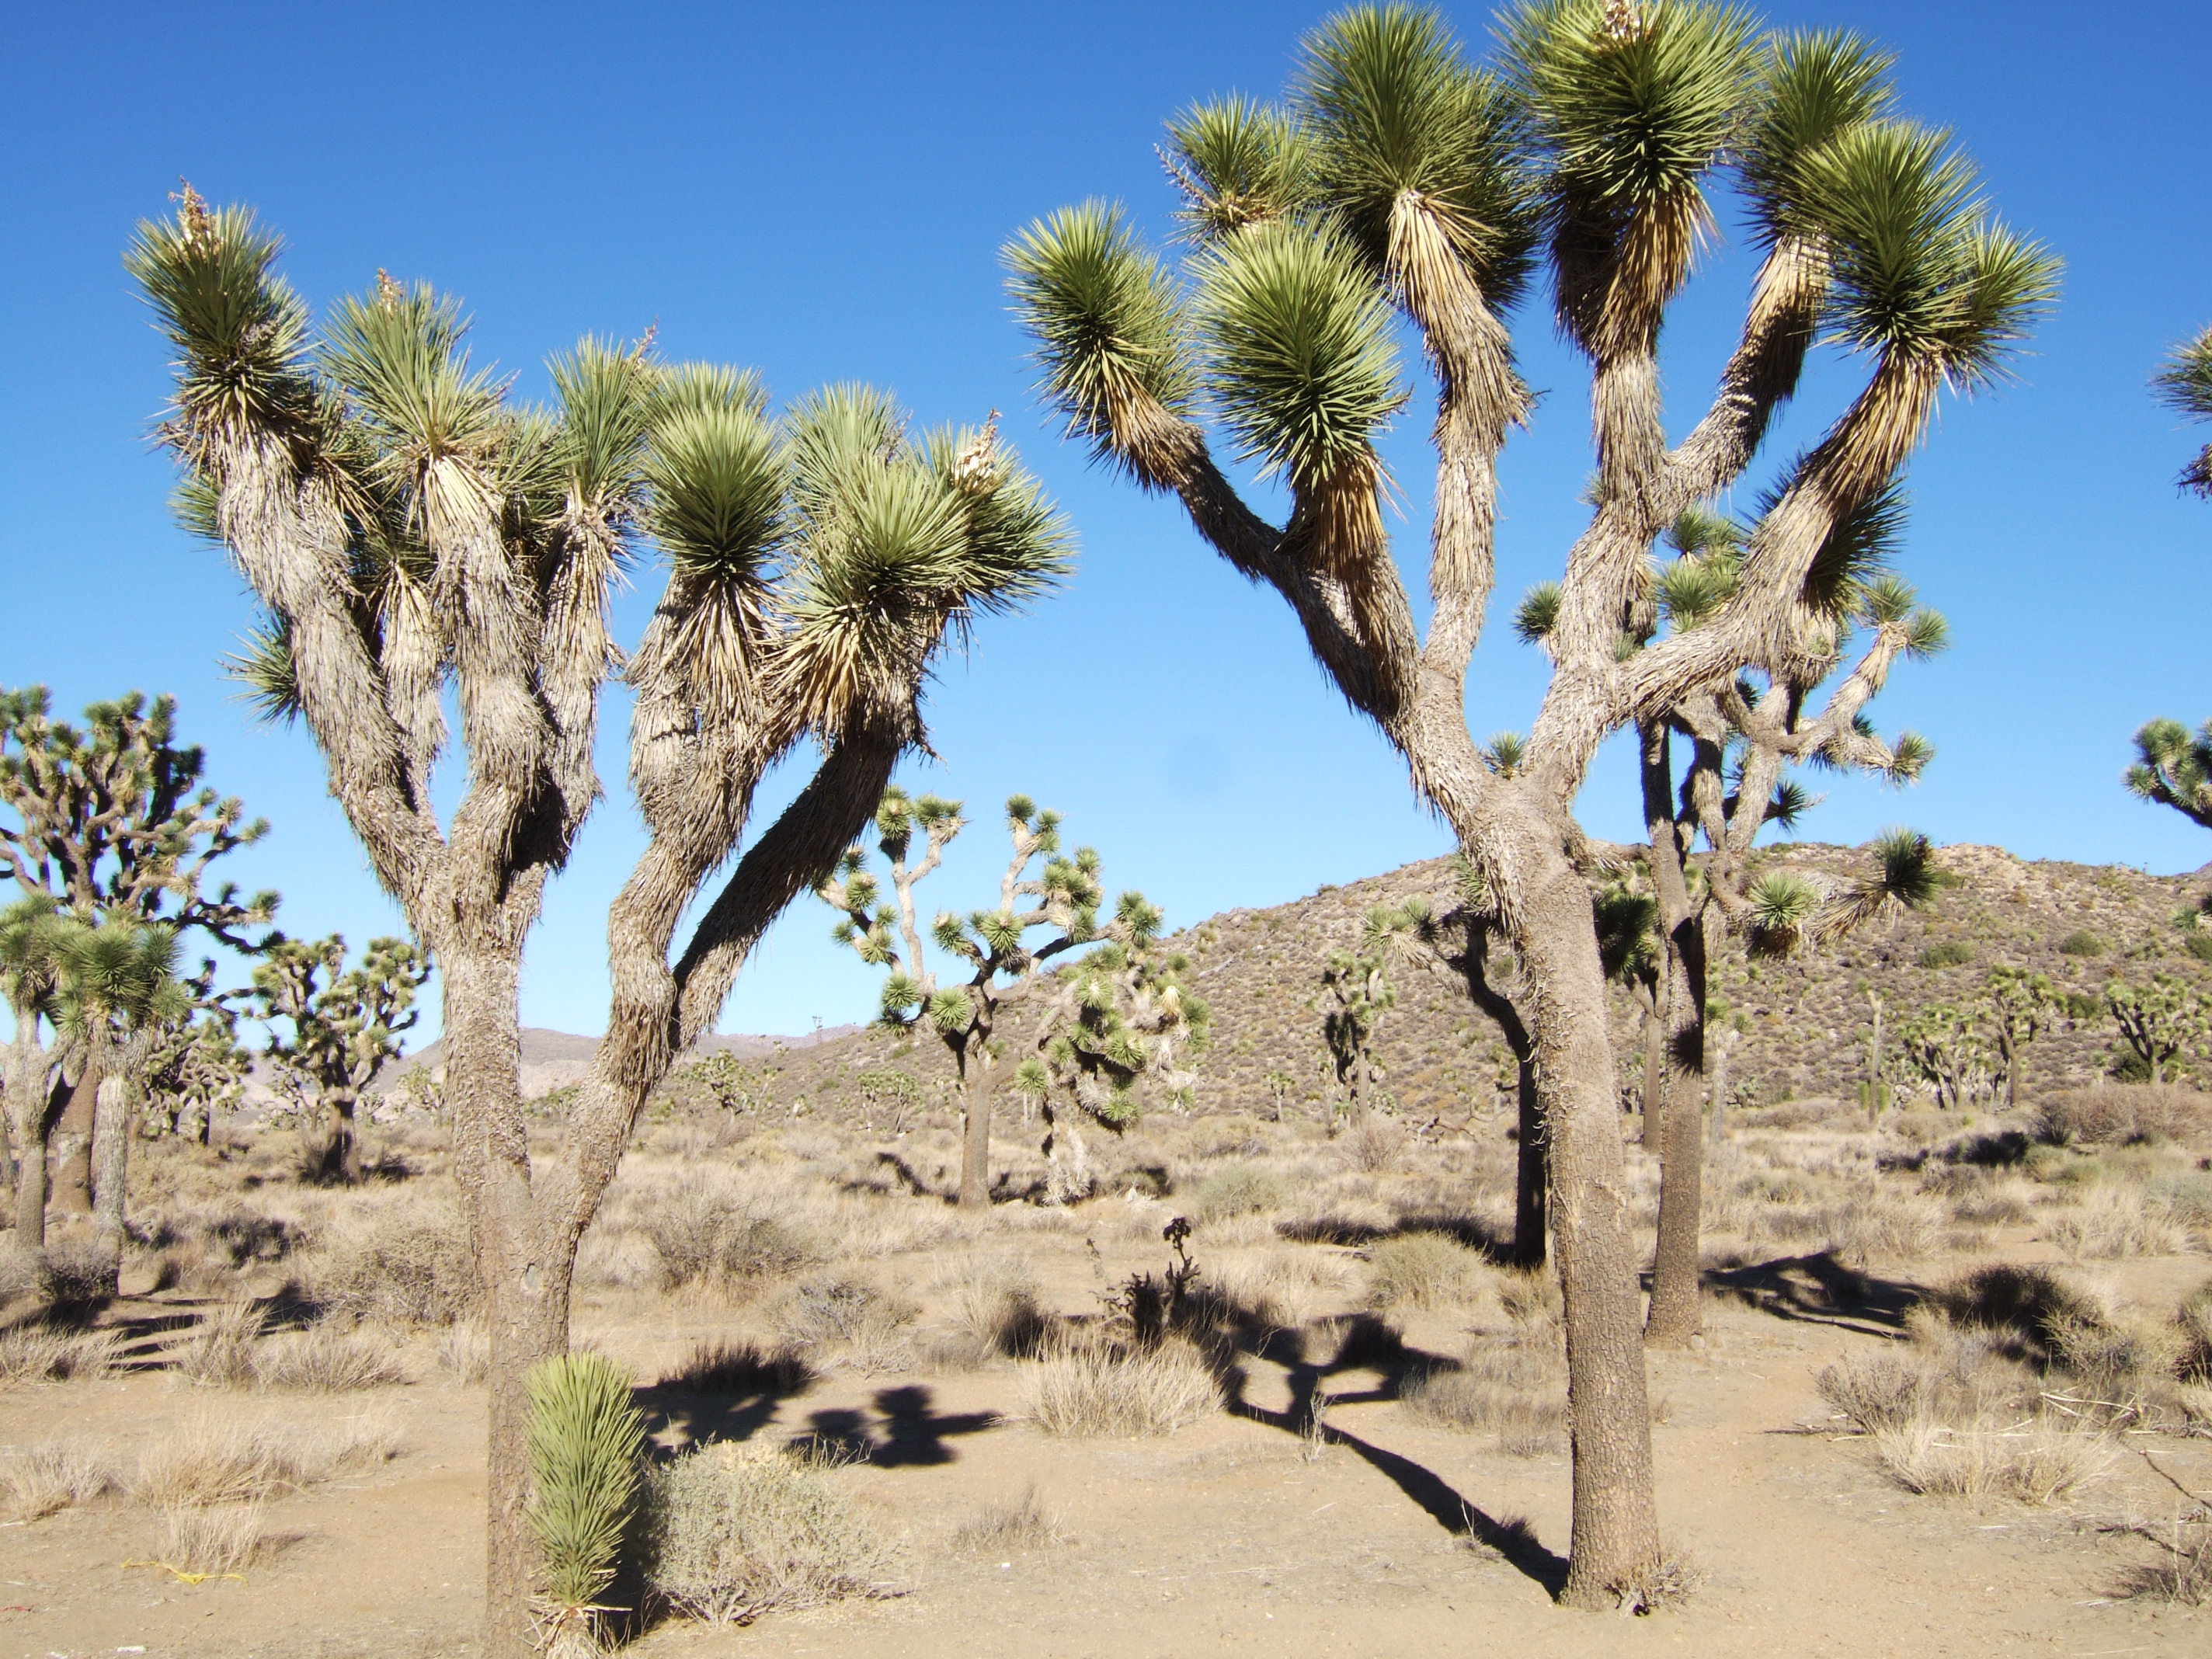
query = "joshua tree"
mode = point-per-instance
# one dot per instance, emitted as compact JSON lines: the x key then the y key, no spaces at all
{"x":1740,"y":742}
{"x":1948,"y":1049}
{"x":2020,"y":1004}
{"x":1121,"y":1016}
{"x":345,"y":1025}
{"x":117,"y":987}
{"x":1397,"y":176}
{"x":989,"y":947}
{"x":109,"y":821}
{"x":30,"y":975}
{"x":2173,"y":767}
{"x":2186,"y":385}
{"x":2160,"y":1022}
{"x":1358,"y":986}
{"x":412,"y":531}
{"x":195,"y":1068}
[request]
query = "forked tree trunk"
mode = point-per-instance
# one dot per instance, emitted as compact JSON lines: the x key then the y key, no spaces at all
{"x":523,"y":1282}
{"x":1615,"y":1545}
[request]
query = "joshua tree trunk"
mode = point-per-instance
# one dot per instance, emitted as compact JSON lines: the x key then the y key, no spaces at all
{"x":1616,"y":1522}
{"x":1675,"y":1312}
{"x":111,"y":1159}
{"x":71,"y":1145}
{"x":1718,"y":1047}
{"x":335,"y":1143}
{"x":1657,"y":1013}
{"x":1531,"y":1173}
{"x":975,"y":1134}
{"x":30,"y":1102}
{"x":1874,"y":1064}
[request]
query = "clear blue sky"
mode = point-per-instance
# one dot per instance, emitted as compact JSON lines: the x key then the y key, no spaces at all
{"x":822,"y":191}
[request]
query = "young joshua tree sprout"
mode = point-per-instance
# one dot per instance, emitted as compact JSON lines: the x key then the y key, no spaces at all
{"x":1399,"y":181}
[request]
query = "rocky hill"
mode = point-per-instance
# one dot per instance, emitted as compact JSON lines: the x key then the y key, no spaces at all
{"x":1805,"y":1021}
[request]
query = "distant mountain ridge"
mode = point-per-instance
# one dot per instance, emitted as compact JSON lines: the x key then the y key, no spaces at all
{"x":1806,"y":1018}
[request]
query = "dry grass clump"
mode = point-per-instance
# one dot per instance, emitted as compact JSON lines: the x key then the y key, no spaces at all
{"x":1017,"y":1523}
{"x":219,"y":1354}
{"x":43,"y":1480}
{"x":704,"y":1231}
{"x":212,"y":1463}
{"x":404,"y":1263}
{"x":1421,"y":1270}
{"x":326,"y":1360}
{"x":996,"y":1314}
{"x":744,"y":1369}
{"x":2036,"y":1463}
{"x":1505,"y":1388}
{"x":2114,"y":1221}
{"x":841,"y":1320}
{"x":1239,"y":1190}
{"x":1879,"y":1391}
{"x":1375,"y":1143}
{"x":2183,"y":1573}
{"x":40,"y":1353}
{"x":1095,"y":1392}
{"x":23,"y":1275}
{"x":2124,"y":1114}
{"x":216,"y":1538}
{"x":731,"y":1532}
{"x":463,"y":1355}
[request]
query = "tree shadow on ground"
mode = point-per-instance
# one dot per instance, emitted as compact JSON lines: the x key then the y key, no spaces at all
{"x":1228,"y":1329}
{"x":1819,"y":1290}
{"x":909,"y":1432}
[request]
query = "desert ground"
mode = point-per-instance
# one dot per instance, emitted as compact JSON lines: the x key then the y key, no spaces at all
{"x":1954,"y":1396}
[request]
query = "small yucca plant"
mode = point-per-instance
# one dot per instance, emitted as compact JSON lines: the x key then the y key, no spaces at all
{"x":586,"y":1439}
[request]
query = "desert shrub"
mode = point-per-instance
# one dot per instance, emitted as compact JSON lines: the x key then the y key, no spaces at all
{"x":213,"y":1538}
{"x":2029,"y":1312}
{"x":1421,"y":1270}
{"x":2114,"y":1222}
{"x":220,"y":1353}
{"x":464,"y":1354}
{"x":23,"y":1275}
{"x":326,"y":1360}
{"x":1531,"y":1298}
{"x":212,"y":1463}
{"x":40,"y":1353}
{"x":1374,"y":1144}
{"x":1082,"y":1393}
{"x":1240,"y":1189}
{"x":402,"y":1264}
{"x":705,"y":1233}
{"x":2120,"y":1113}
{"x":731,"y":1532}
{"x":1876,"y":1391}
{"x":2036,"y":1464}
{"x":1515,"y":1388}
{"x":78,"y":1273}
{"x":1947,"y":953}
{"x":42,"y":1479}
{"x":586,"y":1438}
{"x":740,"y":1368}
{"x":996,"y":1314}
{"x":847,"y":1322}
{"x":2082,"y":943}
{"x":1018,"y":1523}
{"x":2193,"y":1327}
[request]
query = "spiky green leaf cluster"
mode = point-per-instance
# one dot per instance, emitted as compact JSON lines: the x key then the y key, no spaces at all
{"x":587,"y":1440}
{"x":1814,"y":85}
{"x":1239,"y":162}
{"x":2173,"y":768}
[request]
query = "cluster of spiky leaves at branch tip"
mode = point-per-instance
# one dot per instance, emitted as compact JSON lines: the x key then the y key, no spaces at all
{"x":1790,"y":912}
{"x":2186,"y":385}
{"x":2173,"y":768}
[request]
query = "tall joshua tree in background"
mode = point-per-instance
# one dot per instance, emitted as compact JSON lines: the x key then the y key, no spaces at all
{"x":1397,"y":177}
{"x":345,"y":1024}
{"x":1740,"y":742}
{"x":994,"y":966}
{"x":110,"y":821}
{"x":412,"y":531}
